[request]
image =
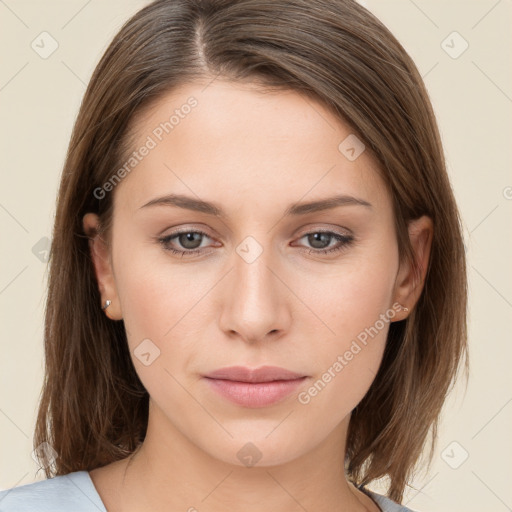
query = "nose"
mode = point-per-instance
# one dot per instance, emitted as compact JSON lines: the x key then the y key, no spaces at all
{"x":255,"y":303}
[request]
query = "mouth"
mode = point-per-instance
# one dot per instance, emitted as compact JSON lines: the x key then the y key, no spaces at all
{"x":254,"y":375}
{"x":254,"y":388}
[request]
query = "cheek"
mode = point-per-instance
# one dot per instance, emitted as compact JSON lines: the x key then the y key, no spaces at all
{"x":155,"y":294}
{"x":346,"y":367}
{"x":351,"y":297}
{"x":357,"y":309}
{"x":163,"y":307}
{"x":161,"y":325}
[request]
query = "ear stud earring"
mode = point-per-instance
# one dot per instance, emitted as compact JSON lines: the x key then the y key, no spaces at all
{"x":404,"y":309}
{"x":107,"y":304}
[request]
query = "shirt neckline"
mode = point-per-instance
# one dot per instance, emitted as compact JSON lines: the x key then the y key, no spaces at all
{"x":90,"y":484}
{"x":93,"y":493}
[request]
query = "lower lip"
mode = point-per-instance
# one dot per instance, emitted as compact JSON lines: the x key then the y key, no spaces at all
{"x":259,"y":394}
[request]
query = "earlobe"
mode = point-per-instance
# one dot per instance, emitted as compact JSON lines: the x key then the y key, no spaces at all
{"x":101,"y":259}
{"x":411,"y":276}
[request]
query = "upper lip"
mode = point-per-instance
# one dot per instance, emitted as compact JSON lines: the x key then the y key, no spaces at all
{"x":262,"y":374}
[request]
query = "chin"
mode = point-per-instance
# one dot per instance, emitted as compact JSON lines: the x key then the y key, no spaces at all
{"x":260,"y":447}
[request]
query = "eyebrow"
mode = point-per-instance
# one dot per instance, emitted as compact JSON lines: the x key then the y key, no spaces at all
{"x":198,"y":205}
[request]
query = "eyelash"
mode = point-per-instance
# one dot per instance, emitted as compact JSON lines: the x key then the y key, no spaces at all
{"x":346,"y":241}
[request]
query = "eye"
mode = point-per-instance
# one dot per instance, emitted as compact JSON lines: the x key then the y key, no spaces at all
{"x":321,"y":240}
{"x":190,"y":240}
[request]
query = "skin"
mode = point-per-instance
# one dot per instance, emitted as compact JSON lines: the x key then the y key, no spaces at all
{"x":253,"y":154}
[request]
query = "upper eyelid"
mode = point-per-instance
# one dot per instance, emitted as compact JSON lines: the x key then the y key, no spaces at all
{"x":307,"y":231}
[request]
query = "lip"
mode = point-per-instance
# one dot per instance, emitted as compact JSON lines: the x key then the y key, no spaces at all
{"x":260,"y":387}
{"x":262,"y":374}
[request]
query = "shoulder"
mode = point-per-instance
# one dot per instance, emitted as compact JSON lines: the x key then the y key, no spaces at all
{"x":385,"y":504}
{"x":74,"y":491}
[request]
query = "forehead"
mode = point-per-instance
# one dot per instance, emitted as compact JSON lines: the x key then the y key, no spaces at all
{"x":245,"y":148}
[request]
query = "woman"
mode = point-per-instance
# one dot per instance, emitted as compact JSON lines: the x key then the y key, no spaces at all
{"x":257,"y":291}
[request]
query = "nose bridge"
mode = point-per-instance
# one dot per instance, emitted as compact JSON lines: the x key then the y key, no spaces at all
{"x":254,"y":305}
{"x":252,"y":274}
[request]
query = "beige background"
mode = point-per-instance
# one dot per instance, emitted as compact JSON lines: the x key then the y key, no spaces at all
{"x":472,"y":97}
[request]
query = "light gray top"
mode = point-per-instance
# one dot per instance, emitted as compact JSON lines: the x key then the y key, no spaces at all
{"x":75,"y":492}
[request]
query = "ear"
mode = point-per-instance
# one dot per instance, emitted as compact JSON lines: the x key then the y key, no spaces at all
{"x":410,"y":278}
{"x":102,"y":261}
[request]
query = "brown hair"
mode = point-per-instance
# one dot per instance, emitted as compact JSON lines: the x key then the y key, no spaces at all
{"x":93,"y":408}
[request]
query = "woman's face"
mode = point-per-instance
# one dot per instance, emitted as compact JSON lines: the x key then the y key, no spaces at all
{"x":255,"y":289}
